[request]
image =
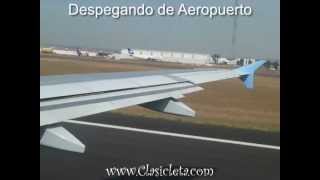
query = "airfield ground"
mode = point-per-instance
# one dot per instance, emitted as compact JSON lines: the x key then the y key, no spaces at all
{"x":222,"y":103}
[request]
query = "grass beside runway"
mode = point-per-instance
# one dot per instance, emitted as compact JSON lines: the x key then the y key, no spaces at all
{"x":228,"y":103}
{"x":225,"y":103}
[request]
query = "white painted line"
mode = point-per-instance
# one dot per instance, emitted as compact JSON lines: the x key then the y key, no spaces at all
{"x":175,"y":135}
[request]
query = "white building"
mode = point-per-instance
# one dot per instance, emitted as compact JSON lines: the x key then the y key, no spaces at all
{"x":73,"y":52}
{"x":237,"y":61}
{"x":246,"y":61}
{"x":222,"y":60}
{"x":46,"y":50}
{"x":118,"y":56}
{"x":169,"y":56}
{"x":65,"y":52}
{"x":233,"y":62}
{"x":89,"y":53}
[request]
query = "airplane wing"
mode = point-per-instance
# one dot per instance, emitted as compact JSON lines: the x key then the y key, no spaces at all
{"x":66,"y":97}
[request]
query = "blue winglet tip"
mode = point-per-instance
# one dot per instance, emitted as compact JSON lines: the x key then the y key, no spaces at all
{"x":248,"y":81}
{"x":247,"y":73}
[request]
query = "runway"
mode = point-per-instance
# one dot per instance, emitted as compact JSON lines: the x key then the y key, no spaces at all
{"x":109,"y":147}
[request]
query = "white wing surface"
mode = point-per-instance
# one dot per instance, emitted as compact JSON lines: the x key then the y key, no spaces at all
{"x":65,"y":97}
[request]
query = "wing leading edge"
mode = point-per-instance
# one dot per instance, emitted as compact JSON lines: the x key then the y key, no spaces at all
{"x":72,"y":96}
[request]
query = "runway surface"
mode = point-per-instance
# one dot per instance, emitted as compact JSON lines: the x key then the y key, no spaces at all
{"x":108,"y":147}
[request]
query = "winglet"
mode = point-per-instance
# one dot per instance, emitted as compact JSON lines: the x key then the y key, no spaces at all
{"x":247,"y":73}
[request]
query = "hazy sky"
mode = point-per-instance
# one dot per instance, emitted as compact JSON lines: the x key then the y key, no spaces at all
{"x":257,"y":36}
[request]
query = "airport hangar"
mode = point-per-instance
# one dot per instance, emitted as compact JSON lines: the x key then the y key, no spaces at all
{"x":169,"y":56}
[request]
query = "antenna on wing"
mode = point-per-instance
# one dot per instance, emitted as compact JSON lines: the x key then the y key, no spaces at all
{"x":234,"y":32}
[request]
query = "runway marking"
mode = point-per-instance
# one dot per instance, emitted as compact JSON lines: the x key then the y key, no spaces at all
{"x":175,"y":134}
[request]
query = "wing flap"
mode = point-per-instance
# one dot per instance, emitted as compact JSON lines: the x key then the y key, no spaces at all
{"x":55,"y":111}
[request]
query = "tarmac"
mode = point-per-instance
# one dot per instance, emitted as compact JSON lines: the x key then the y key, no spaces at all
{"x":112,"y":147}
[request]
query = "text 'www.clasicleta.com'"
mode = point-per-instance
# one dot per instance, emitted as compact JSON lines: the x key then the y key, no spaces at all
{"x":161,"y":171}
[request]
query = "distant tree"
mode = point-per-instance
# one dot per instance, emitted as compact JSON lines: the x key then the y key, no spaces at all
{"x":78,"y":52}
{"x":215,"y":58}
{"x":268,"y":64}
{"x":240,"y":62}
{"x":103,"y":53}
{"x":276,"y":65}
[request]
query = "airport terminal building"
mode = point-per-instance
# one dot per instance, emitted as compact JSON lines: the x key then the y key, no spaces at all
{"x":169,"y":56}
